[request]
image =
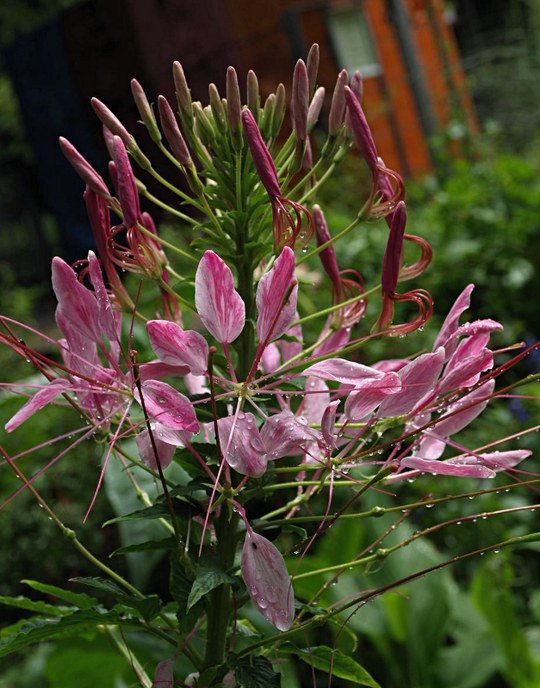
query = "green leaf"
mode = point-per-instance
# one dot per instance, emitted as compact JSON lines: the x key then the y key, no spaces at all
{"x":180,"y":588}
{"x":209,"y":575}
{"x":335,"y":662}
{"x":148,"y":607}
{"x":85,"y":664}
{"x":78,"y":599}
{"x":38,"y":629}
{"x":148,"y":545}
{"x":254,"y":672}
{"x":22,"y":602}
{"x":159,"y":510}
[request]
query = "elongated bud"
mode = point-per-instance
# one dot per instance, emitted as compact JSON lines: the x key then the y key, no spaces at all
{"x":360,"y":129}
{"x":262,"y":159}
{"x":111,"y":121}
{"x":327,"y":255}
{"x":145,"y":110}
{"x":337,"y":107}
{"x":267,"y":118}
{"x":183,"y":94}
{"x":253,"y":97}
{"x":312,"y":64}
{"x":217,"y":106}
{"x":357,"y":85}
{"x":172,"y":132}
{"x":394,"y":249}
{"x":280,"y":107}
{"x":84,"y":169}
{"x":234,"y":103}
{"x":127,"y":188}
{"x":315,"y":108}
{"x":300,"y":100}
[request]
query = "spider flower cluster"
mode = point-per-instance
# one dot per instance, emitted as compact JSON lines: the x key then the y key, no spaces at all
{"x":236,"y":379}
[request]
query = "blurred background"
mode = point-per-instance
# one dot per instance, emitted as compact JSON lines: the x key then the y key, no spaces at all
{"x":452,"y":93}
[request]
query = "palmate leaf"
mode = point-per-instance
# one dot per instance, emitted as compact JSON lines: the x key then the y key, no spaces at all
{"x":335,"y":662}
{"x":38,"y":629}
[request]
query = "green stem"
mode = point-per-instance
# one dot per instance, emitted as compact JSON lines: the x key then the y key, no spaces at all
{"x":219,"y":600}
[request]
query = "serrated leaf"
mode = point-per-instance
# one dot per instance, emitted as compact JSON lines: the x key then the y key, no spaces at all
{"x":209,"y":575}
{"x":254,"y":672}
{"x":334,"y":661}
{"x":21,"y":602}
{"x":77,"y":599}
{"x":37,"y":629}
{"x":180,"y":588}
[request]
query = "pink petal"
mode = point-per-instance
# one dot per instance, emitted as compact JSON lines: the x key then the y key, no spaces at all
{"x":219,"y":306}
{"x":246,"y":453}
{"x":293,"y":348}
{"x":502,"y":460}
{"x":285,"y":434}
{"x":175,"y":346}
{"x":164,"y":677}
{"x":170,"y":408}
{"x":328,"y":424}
{"x":466,"y":372}
{"x":196,"y":384}
{"x":267,"y":580}
{"x":146,"y":449}
{"x":473,"y":404}
{"x":316,"y":400}
{"x":369,"y":394}
{"x":109,"y":320}
{"x":77,"y":308}
{"x":336,"y":341}
{"x":37,"y":402}
{"x":463,"y":470}
{"x":451,"y":323}
{"x":270,"y":358}
{"x":341,"y":370}
{"x":127,"y":188}
{"x":156,"y":370}
{"x":276,"y":298}
{"x":417,"y":378}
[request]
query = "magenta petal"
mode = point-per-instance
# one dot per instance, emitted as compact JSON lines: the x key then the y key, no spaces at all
{"x":341,"y":370}
{"x":267,"y":580}
{"x":276,"y":298}
{"x":246,"y":452}
{"x":127,"y":187}
{"x":37,"y":402}
{"x":369,"y":394}
{"x":176,"y":346}
{"x":219,"y":306}
{"x":463,"y":470}
{"x":417,"y":378}
{"x":164,"y":404}
{"x":285,"y":434}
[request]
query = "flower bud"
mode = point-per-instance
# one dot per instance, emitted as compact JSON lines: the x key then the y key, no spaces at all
{"x":234,"y":103}
{"x":145,"y":110}
{"x":312,"y":64}
{"x":172,"y":132}
{"x":84,"y":169}
{"x":111,"y":121}
{"x":253,"y":97}
{"x":300,"y":100}
{"x":315,"y":108}
{"x":183,"y":94}
{"x":337,"y":107}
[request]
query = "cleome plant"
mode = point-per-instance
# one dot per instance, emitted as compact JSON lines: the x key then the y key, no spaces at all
{"x":199,"y":359}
